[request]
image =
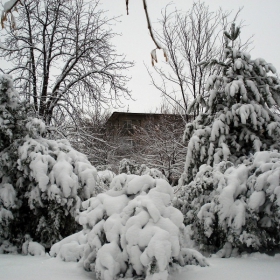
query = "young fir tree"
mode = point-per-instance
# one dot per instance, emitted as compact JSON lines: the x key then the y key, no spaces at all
{"x":238,"y":118}
{"x":42,"y":181}
{"x":11,"y":113}
{"x":230,"y":196}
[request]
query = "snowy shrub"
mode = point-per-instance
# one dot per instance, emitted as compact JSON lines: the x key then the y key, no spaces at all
{"x":7,"y":248}
{"x":132,"y":230}
{"x":42,"y":181}
{"x":238,"y":116}
{"x":153,"y":172}
{"x":32,"y":248}
{"x":47,"y":180}
{"x":105,"y":178}
{"x":128,"y":166}
{"x":235,"y":207}
{"x":11,"y":113}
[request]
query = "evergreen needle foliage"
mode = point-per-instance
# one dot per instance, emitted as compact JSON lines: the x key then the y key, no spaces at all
{"x":229,"y":191}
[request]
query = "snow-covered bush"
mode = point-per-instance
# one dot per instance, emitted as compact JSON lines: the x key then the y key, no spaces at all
{"x":11,"y":113}
{"x":128,"y":166}
{"x":235,"y":207}
{"x":42,"y":181}
{"x":43,"y":184}
{"x":32,"y":248}
{"x":238,"y":116}
{"x":132,"y":230}
{"x":105,"y":178}
{"x":153,"y":172}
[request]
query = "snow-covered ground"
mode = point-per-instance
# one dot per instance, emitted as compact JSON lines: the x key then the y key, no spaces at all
{"x":253,"y":267}
{"x":18,"y":267}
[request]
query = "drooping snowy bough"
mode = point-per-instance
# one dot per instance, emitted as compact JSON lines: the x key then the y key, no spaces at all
{"x":132,"y":230}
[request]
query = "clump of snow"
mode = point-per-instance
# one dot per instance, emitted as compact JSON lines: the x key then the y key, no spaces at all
{"x":32,"y":248}
{"x":131,"y":230}
{"x":36,"y":127}
{"x":105,"y":178}
{"x":7,"y":248}
{"x":128,"y":166}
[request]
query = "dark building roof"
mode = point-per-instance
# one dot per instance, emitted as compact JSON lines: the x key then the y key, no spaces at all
{"x":116,"y":115}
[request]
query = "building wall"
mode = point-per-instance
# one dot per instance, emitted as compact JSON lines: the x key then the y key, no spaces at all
{"x":121,"y":125}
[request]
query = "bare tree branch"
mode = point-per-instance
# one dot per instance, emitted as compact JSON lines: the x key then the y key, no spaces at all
{"x":189,"y":38}
{"x":63,"y":57}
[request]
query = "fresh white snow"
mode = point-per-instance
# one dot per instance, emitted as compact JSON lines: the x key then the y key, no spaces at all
{"x":254,"y":267}
{"x":249,"y":267}
{"x":18,"y":267}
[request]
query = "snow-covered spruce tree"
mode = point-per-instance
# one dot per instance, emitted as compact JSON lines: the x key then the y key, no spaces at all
{"x":238,"y":118}
{"x":11,"y":114}
{"x":42,"y":182}
{"x":235,"y":207}
{"x":132,"y":230}
{"x":223,"y":201}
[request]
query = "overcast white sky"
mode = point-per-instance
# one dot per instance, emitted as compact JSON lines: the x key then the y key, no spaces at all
{"x":261,"y":19}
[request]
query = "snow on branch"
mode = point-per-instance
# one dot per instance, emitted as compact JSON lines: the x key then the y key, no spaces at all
{"x":8,"y":6}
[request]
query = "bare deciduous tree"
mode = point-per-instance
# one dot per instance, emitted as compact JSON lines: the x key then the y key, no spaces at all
{"x":63,"y":59}
{"x":89,"y":136}
{"x":12,"y":5}
{"x":160,"y":146}
{"x":189,"y":38}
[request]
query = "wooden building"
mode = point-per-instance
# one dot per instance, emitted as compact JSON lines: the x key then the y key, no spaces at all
{"x":122,"y":125}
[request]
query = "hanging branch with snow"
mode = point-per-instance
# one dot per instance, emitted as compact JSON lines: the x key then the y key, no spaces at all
{"x":8,"y":6}
{"x":158,"y":45}
{"x":7,"y":9}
